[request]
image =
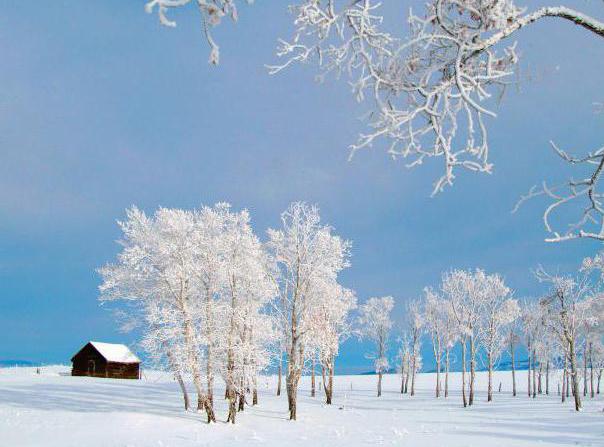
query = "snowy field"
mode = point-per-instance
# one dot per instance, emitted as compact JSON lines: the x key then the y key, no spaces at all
{"x":54,"y":409}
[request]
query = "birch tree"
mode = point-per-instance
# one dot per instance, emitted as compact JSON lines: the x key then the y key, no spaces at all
{"x":306,"y":253}
{"x":248,"y":289}
{"x":465,"y":293}
{"x":155,"y":269}
{"x":331,"y":326}
{"x":566,"y":313}
{"x":498,"y":311}
{"x":435,"y":322}
{"x":375,"y":324}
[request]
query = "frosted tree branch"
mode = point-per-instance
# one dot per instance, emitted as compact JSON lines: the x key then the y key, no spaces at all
{"x":212,"y":12}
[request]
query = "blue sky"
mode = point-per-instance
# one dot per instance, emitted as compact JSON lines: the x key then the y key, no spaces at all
{"x":101,"y":108}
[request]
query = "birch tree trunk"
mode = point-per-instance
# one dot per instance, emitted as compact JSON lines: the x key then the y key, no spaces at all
{"x":463,"y":373}
{"x":472,"y":369}
{"x":513,"y":365}
{"x":574,"y":374}
{"x":591,"y":367}
{"x":529,"y":366}
{"x":539,"y":381}
{"x":328,"y":379}
{"x":447,"y":373}
{"x":255,"y":391}
{"x":564,"y":376}
{"x":408,"y":374}
{"x":490,"y":386}
{"x":547,"y":377}
{"x":534,"y":375}
{"x":413,"y":374}
{"x":202,"y":400}
{"x":280,"y":375}
{"x":567,"y":383}
{"x":177,"y":376}
{"x":312,"y":379}
{"x":585,"y":370}
{"x":402,"y":374}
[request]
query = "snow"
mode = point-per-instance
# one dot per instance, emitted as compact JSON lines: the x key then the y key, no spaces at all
{"x":115,"y":352}
{"x":53,"y":409}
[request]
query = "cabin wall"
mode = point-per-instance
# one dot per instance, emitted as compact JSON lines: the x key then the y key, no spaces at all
{"x":123,"y":370}
{"x":88,"y":362}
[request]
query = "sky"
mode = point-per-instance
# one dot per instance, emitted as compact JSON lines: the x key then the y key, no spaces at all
{"x":101,"y":108}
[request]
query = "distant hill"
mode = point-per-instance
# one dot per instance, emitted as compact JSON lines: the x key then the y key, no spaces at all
{"x":13,"y":363}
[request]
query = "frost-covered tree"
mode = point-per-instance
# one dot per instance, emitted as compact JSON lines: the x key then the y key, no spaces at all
{"x":155,"y":269}
{"x":464,"y":292}
{"x":498,"y":311}
{"x":436,"y":320}
{"x":404,"y":355}
{"x":200,"y":281}
{"x":248,"y":290}
{"x":375,"y":324}
{"x":414,"y":320}
{"x":512,"y":341}
{"x":331,"y":325}
{"x":566,"y":309}
{"x":306,"y":254}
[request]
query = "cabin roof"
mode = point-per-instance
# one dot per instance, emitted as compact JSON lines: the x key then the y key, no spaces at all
{"x":113,"y":352}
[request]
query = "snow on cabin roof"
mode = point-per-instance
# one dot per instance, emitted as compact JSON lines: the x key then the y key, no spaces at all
{"x":115,"y":352}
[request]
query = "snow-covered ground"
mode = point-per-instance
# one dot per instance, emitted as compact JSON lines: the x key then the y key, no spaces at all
{"x":54,"y":409}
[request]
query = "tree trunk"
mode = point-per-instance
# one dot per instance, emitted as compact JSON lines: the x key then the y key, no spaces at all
{"x":210,"y":351}
{"x":379,"y":386}
{"x":402,"y":374}
{"x":528,"y":344}
{"x":490,"y":386}
{"x":292,"y":394}
{"x":539,"y":381}
{"x":177,"y":375}
{"x":413,"y":371}
{"x":408,"y":374}
{"x":447,"y":374}
{"x":591,"y":372}
{"x":328,"y":381}
{"x":463,"y":373}
{"x":513,"y":365}
{"x":232,"y":397}
{"x":241,"y":401}
{"x":312,"y":380}
{"x":574,"y":375}
{"x":330,"y":385}
{"x":472,"y":369}
{"x":564,"y":378}
{"x":294,"y":371}
{"x":255,"y":388}
{"x":534,"y":374}
{"x":183,"y":389}
{"x":438,"y":378}
{"x":280,"y":374}
{"x":599,"y":379}
{"x":585,"y":370}
{"x":547,"y":377}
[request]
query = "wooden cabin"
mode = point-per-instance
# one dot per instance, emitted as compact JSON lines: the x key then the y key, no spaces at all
{"x":110,"y":360}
